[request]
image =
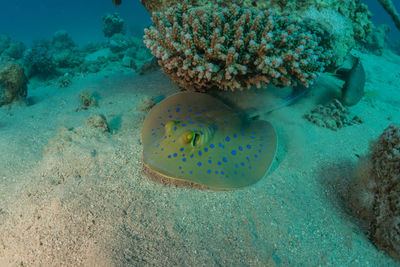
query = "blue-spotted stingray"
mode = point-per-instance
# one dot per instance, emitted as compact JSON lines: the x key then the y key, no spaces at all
{"x":196,"y":138}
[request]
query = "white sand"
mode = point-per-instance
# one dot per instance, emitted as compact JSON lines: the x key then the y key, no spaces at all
{"x":72,"y":195}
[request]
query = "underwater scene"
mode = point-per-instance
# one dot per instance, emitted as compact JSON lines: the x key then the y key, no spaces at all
{"x":200,"y":133}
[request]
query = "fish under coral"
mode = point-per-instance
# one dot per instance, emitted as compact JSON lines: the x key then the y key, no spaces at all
{"x":353,"y":88}
{"x":198,"y":139}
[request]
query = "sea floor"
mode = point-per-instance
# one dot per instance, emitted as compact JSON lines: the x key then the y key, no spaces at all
{"x":75,"y":195}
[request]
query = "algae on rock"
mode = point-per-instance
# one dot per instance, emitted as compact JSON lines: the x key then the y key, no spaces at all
{"x":13,"y":82}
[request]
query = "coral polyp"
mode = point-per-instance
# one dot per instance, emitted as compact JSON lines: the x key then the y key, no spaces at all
{"x":234,"y":48}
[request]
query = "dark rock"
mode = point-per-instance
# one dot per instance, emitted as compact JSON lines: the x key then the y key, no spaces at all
{"x":13,"y":82}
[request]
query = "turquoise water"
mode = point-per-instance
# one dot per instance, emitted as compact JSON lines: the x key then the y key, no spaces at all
{"x":34,"y":20}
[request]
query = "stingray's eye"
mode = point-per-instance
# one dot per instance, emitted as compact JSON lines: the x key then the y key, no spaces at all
{"x":196,"y":139}
{"x":187,"y":137}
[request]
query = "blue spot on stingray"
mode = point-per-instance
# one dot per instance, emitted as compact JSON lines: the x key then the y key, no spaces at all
{"x":200,"y":153}
{"x":248,"y":146}
{"x":259,"y":150}
{"x":191,"y":122}
{"x":216,"y":172}
{"x":256,"y":156}
{"x":233,"y":152}
{"x":242,"y":163}
{"x":237,"y":166}
{"x":236,"y":172}
{"x":250,"y":167}
{"x":170,"y":116}
{"x":205,"y":149}
{"x":162,"y":124}
{"x":209,"y":161}
{"x":252,"y":137}
{"x":191,"y":156}
{"x":181,"y":149}
{"x":242,"y":134}
{"x":169,"y":156}
{"x":227,"y":139}
{"x":225,"y":122}
{"x":222,"y":172}
{"x":175,"y":128}
{"x":175,"y":155}
{"x":183,"y":124}
{"x":157,"y":145}
{"x":221,"y":145}
{"x":180,"y":167}
{"x":215,"y":127}
{"x":169,"y":110}
{"x":162,"y":149}
{"x":224,"y":159}
{"x":200,"y":125}
{"x":199,"y":163}
{"x":190,"y":172}
{"x":208,"y":171}
{"x":234,"y":135}
{"x":219,"y":163}
{"x":248,"y":159}
{"x":240,"y":148}
{"x":183,"y":155}
{"x":190,"y":110}
{"x":212,"y":146}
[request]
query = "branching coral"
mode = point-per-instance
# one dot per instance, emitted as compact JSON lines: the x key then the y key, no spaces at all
{"x":39,"y":61}
{"x":391,"y":10}
{"x":234,"y":48}
{"x":113,"y":24}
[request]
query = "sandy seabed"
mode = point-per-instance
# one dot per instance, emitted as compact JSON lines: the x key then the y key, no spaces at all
{"x":75,"y":195}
